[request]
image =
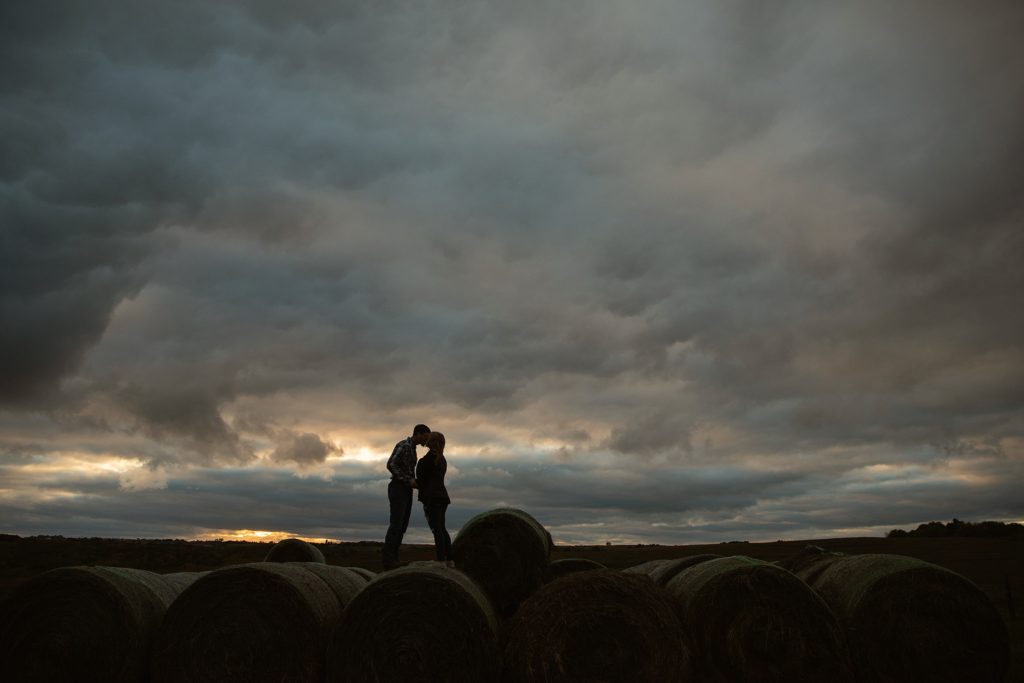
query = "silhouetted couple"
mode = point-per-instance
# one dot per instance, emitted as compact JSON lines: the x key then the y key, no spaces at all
{"x":427,"y":476}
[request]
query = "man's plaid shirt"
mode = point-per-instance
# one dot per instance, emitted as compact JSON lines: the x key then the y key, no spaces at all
{"x":402,"y":463}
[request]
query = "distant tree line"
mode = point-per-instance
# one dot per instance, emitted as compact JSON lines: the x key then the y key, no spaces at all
{"x":961,"y":529}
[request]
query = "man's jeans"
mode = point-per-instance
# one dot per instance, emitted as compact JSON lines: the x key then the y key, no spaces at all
{"x":400,"y":498}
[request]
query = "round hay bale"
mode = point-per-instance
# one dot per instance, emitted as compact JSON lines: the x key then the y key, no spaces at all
{"x":600,"y":625}
{"x":571,"y":565}
{"x":506,"y":551}
{"x":182,"y":580}
{"x":343,"y":582}
{"x":363,"y":572}
{"x":753,"y":621}
{"x":294,"y":550}
{"x":908,"y":620}
{"x":645,"y":567}
{"x":667,"y":571}
{"x":264,"y":621}
{"x":809,"y":562}
{"x":416,"y":624}
{"x":85,"y":623}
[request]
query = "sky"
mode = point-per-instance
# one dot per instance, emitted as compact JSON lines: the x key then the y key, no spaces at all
{"x":660,"y":271}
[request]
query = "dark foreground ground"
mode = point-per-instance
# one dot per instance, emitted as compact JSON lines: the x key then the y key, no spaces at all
{"x":996,"y":565}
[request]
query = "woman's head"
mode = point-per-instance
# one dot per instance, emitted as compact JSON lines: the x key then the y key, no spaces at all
{"x":435,"y":442}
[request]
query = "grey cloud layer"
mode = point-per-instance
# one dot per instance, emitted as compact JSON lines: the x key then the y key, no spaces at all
{"x":682,"y":232}
{"x":578,"y":503}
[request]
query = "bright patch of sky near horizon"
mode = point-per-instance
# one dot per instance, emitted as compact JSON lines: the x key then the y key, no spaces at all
{"x":671,"y":272}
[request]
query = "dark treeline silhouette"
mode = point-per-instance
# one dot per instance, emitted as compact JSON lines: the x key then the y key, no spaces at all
{"x":961,"y":529}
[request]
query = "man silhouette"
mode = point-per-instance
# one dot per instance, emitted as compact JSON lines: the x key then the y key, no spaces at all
{"x":402,"y":465}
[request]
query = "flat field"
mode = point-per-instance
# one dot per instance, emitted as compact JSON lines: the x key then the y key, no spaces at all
{"x":996,"y":565}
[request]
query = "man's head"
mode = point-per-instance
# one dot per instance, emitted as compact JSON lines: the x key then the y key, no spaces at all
{"x":420,"y":434}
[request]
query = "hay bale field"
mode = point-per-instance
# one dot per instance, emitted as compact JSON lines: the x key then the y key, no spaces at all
{"x":416,"y":624}
{"x":263,"y":621}
{"x":506,"y":551}
{"x":908,"y":620}
{"x":294,"y":550}
{"x":599,"y":625}
{"x":85,"y":623}
{"x":571,"y":565}
{"x":753,"y":621}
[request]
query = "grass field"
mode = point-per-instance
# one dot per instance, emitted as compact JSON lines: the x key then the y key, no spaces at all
{"x":991,"y":563}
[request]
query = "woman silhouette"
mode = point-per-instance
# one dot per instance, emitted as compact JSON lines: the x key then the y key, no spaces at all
{"x":430,"y":472}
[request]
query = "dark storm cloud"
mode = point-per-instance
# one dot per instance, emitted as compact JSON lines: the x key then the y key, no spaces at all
{"x":695,"y":235}
{"x":303,"y":449}
{"x":56,"y":301}
{"x":659,"y":432}
{"x":188,"y":412}
{"x":118,"y":122}
{"x":81,"y":187}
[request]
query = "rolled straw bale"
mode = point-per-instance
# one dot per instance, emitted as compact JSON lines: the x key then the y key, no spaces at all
{"x":645,"y":567}
{"x":265,"y":621}
{"x":363,"y":572}
{"x":85,"y":623}
{"x":416,"y":624}
{"x":908,"y":620}
{"x":506,"y":551}
{"x":600,"y":625}
{"x":754,"y":621}
{"x":809,"y":562}
{"x":427,"y":563}
{"x":344,"y":582}
{"x":664,"y":573}
{"x":294,"y":550}
{"x":571,"y":565}
{"x":181,"y":580}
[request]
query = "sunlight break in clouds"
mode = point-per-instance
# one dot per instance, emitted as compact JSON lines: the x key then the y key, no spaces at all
{"x":251,"y":535}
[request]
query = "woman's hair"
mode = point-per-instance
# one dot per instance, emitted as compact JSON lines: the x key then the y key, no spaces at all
{"x":435,"y":442}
